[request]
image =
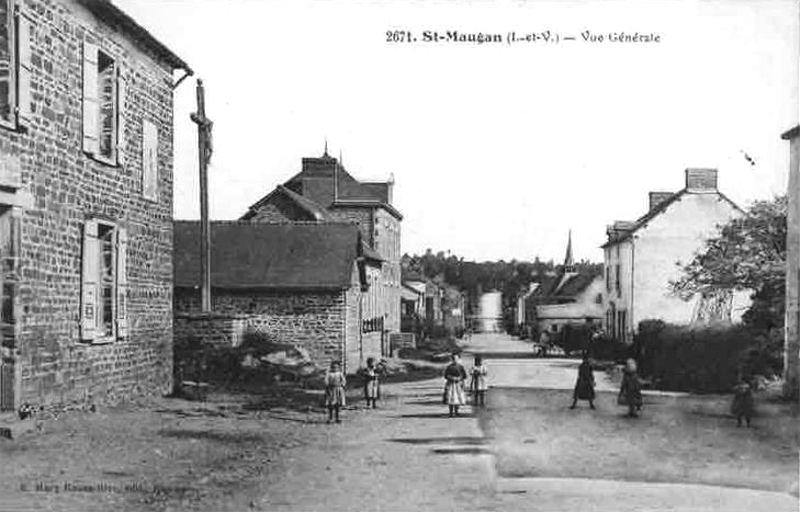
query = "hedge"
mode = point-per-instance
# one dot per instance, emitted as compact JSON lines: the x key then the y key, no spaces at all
{"x":706,"y":359}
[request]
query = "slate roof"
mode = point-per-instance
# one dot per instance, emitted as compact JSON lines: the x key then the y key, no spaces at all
{"x":556,"y":290}
{"x":647,"y":217}
{"x":270,"y":256}
{"x":576,"y":285}
{"x":306,"y":204}
{"x":316,"y":179}
{"x":313,"y":190}
{"x":106,"y":10}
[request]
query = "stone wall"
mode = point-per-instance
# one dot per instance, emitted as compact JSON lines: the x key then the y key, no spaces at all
{"x":360,"y":216}
{"x":67,"y":187}
{"x":313,"y":320}
{"x":220,"y":331}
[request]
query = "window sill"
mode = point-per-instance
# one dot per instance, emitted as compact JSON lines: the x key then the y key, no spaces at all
{"x":13,"y":127}
{"x":103,"y":160}
{"x":98,"y":341}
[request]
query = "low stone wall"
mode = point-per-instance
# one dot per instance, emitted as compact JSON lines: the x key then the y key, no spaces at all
{"x":314,"y":321}
{"x":213,"y":329}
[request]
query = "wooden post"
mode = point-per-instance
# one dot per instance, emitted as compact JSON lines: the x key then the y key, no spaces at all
{"x":204,"y":153}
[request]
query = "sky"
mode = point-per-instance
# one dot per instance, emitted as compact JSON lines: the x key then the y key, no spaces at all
{"x":497,"y":150}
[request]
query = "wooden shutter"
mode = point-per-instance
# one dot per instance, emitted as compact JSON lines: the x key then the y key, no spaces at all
{"x":122,"y":283}
{"x":91,"y":116}
{"x":149,"y":160}
{"x":24,"y":37}
{"x":89,"y":281}
{"x":121,"y":91}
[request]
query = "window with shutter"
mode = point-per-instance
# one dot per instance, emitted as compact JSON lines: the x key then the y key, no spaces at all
{"x":107,"y":101}
{"x":6,"y":62}
{"x":25,"y":35}
{"x":89,"y":281}
{"x":107,"y":242}
{"x":101,"y":98}
{"x":121,"y":92}
{"x":16,"y":34}
{"x":122,"y":283}
{"x":104,"y":287}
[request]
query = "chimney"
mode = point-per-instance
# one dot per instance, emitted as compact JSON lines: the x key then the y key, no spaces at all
{"x":701,"y":180}
{"x":390,"y":189}
{"x":656,"y":198}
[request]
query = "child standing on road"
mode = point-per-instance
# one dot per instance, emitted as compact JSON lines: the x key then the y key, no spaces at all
{"x":742,"y":406}
{"x":584,"y":387}
{"x":630,"y":392}
{"x":371,"y":383}
{"x":454,"y":376}
{"x":334,"y":391}
{"x":478,"y":384}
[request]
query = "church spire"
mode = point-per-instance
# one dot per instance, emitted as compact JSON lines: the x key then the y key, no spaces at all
{"x":326,"y":147}
{"x":569,"y":262}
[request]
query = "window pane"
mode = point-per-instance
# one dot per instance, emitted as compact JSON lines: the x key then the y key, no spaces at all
{"x":106,"y":76}
{"x":5,"y":61}
{"x":108,"y":311}
{"x":7,"y":311}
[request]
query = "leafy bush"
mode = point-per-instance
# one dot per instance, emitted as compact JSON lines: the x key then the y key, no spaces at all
{"x":606,"y":348}
{"x":706,"y":359}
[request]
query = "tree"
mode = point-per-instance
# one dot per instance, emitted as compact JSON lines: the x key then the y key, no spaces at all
{"x":749,"y":253}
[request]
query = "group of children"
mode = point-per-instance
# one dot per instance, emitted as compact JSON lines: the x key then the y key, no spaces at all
{"x":336,"y":384}
{"x":455,"y":377}
{"x":630,"y":392}
{"x":454,"y":391}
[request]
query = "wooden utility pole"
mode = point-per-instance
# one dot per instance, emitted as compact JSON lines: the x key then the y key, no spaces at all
{"x":204,"y":150}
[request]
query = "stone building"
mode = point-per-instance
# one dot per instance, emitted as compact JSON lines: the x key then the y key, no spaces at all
{"x":306,"y":284}
{"x":323,"y":191}
{"x":641,"y":258}
{"x":86,"y":129}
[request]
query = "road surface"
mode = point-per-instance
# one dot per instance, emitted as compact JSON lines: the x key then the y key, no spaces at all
{"x":511,"y":369}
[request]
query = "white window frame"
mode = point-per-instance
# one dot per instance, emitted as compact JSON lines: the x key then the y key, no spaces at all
{"x":93,"y":328}
{"x":92,"y":108}
{"x":19,"y":67}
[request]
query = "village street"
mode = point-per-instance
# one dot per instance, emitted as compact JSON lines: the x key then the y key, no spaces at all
{"x":525,"y":451}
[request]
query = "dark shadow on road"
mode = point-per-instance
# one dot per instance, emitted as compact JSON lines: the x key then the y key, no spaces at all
{"x":426,"y":402}
{"x":224,"y":437}
{"x":443,"y":415}
{"x":472,"y":440}
{"x":467,"y":450}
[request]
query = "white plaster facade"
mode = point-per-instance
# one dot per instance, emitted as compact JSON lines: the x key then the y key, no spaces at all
{"x":641,"y":258}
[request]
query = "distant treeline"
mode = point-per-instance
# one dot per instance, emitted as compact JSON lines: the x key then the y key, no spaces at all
{"x":475,"y":278}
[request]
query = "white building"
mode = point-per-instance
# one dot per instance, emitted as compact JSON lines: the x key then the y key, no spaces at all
{"x":643,"y":256}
